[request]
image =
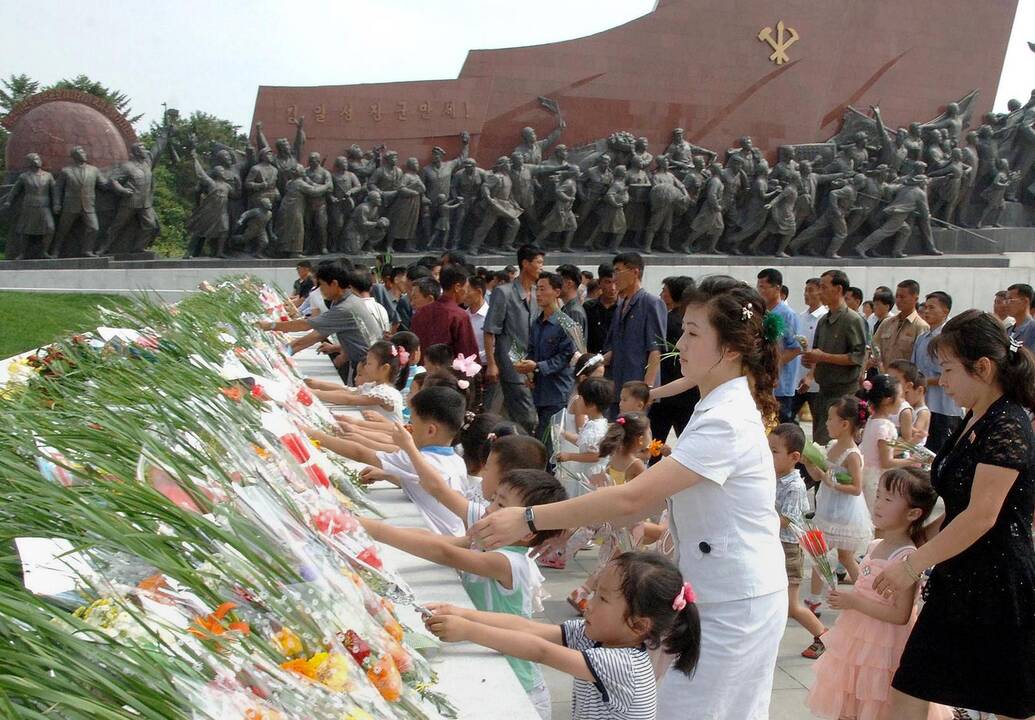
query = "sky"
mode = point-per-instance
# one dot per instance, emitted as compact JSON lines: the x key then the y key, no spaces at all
{"x":212,"y":55}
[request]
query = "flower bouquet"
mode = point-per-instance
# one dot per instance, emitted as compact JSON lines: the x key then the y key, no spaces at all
{"x":922,"y":455}
{"x":815,"y":545}
{"x":815,"y":455}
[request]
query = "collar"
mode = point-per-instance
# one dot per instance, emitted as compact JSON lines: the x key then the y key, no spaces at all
{"x":730,"y":391}
{"x":819,"y":312}
{"x":483,"y":310}
{"x":438,"y":450}
{"x":790,"y":477}
{"x":911,"y":317}
{"x":447,"y":301}
{"x":834,"y":313}
{"x":543,"y":320}
{"x":634,"y":298}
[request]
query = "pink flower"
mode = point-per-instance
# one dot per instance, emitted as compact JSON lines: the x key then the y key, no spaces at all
{"x":467,"y":365}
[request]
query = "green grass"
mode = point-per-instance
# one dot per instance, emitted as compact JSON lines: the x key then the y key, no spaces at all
{"x":31,"y":319}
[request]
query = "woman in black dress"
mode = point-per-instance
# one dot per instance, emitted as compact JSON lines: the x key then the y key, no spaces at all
{"x":672,"y":413}
{"x":973,"y":645}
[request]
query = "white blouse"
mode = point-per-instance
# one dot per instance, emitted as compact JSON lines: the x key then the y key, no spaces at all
{"x":726,"y":529}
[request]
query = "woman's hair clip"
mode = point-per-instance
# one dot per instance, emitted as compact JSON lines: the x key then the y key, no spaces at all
{"x":401,"y":352}
{"x":469,"y":417}
{"x":620,"y":421}
{"x":746,"y":313}
{"x":1015,"y":345}
{"x":463,"y":384}
{"x":491,"y":437}
{"x":685,"y":596}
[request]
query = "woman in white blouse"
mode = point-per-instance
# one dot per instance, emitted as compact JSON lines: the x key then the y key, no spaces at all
{"x":720,"y":488}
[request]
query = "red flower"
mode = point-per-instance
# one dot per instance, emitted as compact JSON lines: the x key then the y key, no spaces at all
{"x":296,"y":445}
{"x":304,"y":396}
{"x":317,"y":475}
{"x":334,"y":521}
{"x":814,"y":543}
{"x":357,"y":646}
{"x":369,"y":556}
{"x":258,"y":392}
{"x":234,"y":393}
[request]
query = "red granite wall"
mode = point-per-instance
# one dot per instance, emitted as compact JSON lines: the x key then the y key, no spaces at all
{"x":693,"y":63}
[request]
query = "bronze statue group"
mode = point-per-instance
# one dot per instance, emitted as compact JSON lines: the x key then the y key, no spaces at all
{"x":867,"y":192}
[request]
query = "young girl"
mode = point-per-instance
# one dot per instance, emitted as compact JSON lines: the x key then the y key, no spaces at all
{"x":586,"y":366}
{"x":382,"y":374}
{"x":640,"y":603}
{"x":914,"y":391}
{"x":411,"y":344}
{"x":625,"y":446}
{"x":595,"y":397}
{"x":853,"y":678}
{"x":884,"y":395}
{"x":902,"y":417}
{"x":840,"y":508}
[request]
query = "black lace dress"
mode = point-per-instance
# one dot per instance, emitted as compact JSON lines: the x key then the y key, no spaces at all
{"x":973,"y":645}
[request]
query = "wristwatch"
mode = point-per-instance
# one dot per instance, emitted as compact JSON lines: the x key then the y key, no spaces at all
{"x":530,"y":519}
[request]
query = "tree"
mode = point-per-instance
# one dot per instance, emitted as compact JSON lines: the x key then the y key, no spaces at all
{"x":81,"y":82}
{"x":15,"y":89}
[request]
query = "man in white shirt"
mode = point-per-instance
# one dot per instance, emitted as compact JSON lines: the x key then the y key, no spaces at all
{"x":477,"y":310}
{"x":808,"y":319}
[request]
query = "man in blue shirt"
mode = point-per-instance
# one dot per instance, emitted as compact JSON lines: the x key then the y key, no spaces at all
{"x":1018,"y":302}
{"x":549,"y":357}
{"x":637,"y":335}
{"x":789,"y":349}
{"x":946,"y":415}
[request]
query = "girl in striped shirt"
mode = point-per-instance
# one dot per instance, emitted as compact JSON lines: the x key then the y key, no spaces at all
{"x":640,"y":602}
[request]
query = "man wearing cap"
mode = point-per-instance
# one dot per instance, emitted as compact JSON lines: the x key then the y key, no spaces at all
{"x":438,"y":178}
{"x":839,"y":203}
{"x":467,"y":187}
{"x":497,"y":206}
{"x":907,"y":208}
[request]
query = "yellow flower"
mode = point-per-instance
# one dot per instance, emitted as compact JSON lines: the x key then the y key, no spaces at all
{"x":288,"y":642}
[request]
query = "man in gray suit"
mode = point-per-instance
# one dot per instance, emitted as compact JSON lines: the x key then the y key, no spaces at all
{"x":76,"y":201}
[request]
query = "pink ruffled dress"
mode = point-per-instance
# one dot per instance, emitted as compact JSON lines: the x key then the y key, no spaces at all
{"x":853,"y":676}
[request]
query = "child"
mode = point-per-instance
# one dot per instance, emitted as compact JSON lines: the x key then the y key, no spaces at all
{"x":384,"y":365}
{"x":640,"y":603}
{"x":438,"y":414}
{"x":504,"y":581}
{"x":595,"y":396}
{"x":884,"y":395}
{"x":786,"y":442}
{"x":586,"y":366}
{"x":840,"y":508}
{"x":625,"y":446}
{"x":438,"y":358}
{"x":902,"y":417}
{"x":505,"y":451}
{"x":409,"y":342}
{"x":635,"y":397}
{"x":853,"y":678}
{"x":914,"y":390}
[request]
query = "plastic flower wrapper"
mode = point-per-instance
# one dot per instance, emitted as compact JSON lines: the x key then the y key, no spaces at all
{"x":814,"y":544}
{"x":922,"y":455}
{"x":814,"y":454}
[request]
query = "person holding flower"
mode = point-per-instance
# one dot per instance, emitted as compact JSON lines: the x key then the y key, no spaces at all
{"x":720,"y":488}
{"x":973,"y":645}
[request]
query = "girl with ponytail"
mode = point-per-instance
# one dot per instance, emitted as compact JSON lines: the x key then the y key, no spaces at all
{"x":719,"y":485}
{"x":975,"y":636}
{"x":380,"y":377}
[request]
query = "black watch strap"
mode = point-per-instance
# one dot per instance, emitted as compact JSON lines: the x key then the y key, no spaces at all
{"x":530,"y":519}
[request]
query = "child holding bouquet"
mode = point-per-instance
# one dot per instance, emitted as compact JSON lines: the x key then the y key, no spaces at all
{"x":884,"y":395}
{"x":840,"y":508}
{"x":853,"y":678}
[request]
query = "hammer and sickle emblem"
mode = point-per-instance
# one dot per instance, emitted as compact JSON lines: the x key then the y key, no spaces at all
{"x":780,"y":43}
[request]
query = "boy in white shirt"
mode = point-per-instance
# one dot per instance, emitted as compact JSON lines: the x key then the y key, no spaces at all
{"x":436,"y":415}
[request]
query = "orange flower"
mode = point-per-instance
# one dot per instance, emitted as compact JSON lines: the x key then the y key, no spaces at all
{"x":385,"y":677}
{"x":655,"y":448}
{"x":301,"y":667}
{"x":262,"y":452}
{"x":288,"y":642}
{"x":234,"y":393}
{"x":212,"y":624}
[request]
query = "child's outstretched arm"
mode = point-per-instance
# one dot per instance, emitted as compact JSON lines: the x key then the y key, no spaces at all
{"x":430,"y":478}
{"x":439,"y":550}
{"x":516,"y":643}
{"x":583,"y":457}
{"x":347,"y":397}
{"x":315,"y":384}
{"x":897,"y":614}
{"x":504,"y":621}
{"x":346,"y":448}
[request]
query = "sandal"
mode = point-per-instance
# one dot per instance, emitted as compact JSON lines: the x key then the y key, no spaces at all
{"x":814,"y":650}
{"x":813,"y":607}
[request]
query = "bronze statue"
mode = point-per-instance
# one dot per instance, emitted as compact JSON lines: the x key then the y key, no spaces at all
{"x":253,"y":229}
{"x":134,"y":181}
{"x":285,"y":157}
{"x":366,"y":227}
{"x":561,"y":219}
{"x":438,"y":180}
{"x":290,"y":224}
{"x":210,"y":220}
{"x":523,"y":190}
{"x":808,"y":192}
{"x":641,"y":153}
{"x":612,"y":215}
{"x":667,"y":197}
{"x":780,"y":220}
{"x":316,"y":206}
{"x":592,"y":186}
{"x":361,"y":164}
{"x":404,"y":212}
{"x":709,"y":223}
{"x":970,"y":162}
{"x":36,"y":217}
{"x":345,"y":187}
{"x":532,"y":148}
{"x":995,"y":195}
{"x":756,"y":210}
{"x":262,"y":181}
{"x":498,"y":206}
{"x":76,"y":202}
{"x":840,"y":202}
{"x":749,"y":156}
{"x":467,"y":187}
{"x":637,"y":210}
{"x":907,"y":208}
{"x":946,"y":183}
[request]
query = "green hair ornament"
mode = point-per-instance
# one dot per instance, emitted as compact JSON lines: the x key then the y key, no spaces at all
{"x":773,"y":327}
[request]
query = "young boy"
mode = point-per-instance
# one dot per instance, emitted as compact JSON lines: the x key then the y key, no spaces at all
{"x":438,"y":358}
{"x":510,"y":452}
{"x":635,"y":397}
{"x":504,"y":580}
{"x":437,"y":414}
{"x":786,"y":442}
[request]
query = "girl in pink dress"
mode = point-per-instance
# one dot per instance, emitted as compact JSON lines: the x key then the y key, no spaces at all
{"x":853,"y":677}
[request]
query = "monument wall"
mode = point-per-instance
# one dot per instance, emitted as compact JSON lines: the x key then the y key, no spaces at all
{"x":719,"y":68}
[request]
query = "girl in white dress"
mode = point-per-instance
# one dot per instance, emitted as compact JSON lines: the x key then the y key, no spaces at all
{"x":382,"y":375}
{"x":914,"y":394}
{"x":884,"y":395}
{"x":720,"y":488}
{"x":841,"y":511}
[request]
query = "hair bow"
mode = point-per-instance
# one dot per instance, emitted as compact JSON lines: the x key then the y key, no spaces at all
{"x":746,"y":313}
{"x":685,"y":596}
{"x":467,"y":365}
{"x":1015,"y":345}
{"x":620,"y":421}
